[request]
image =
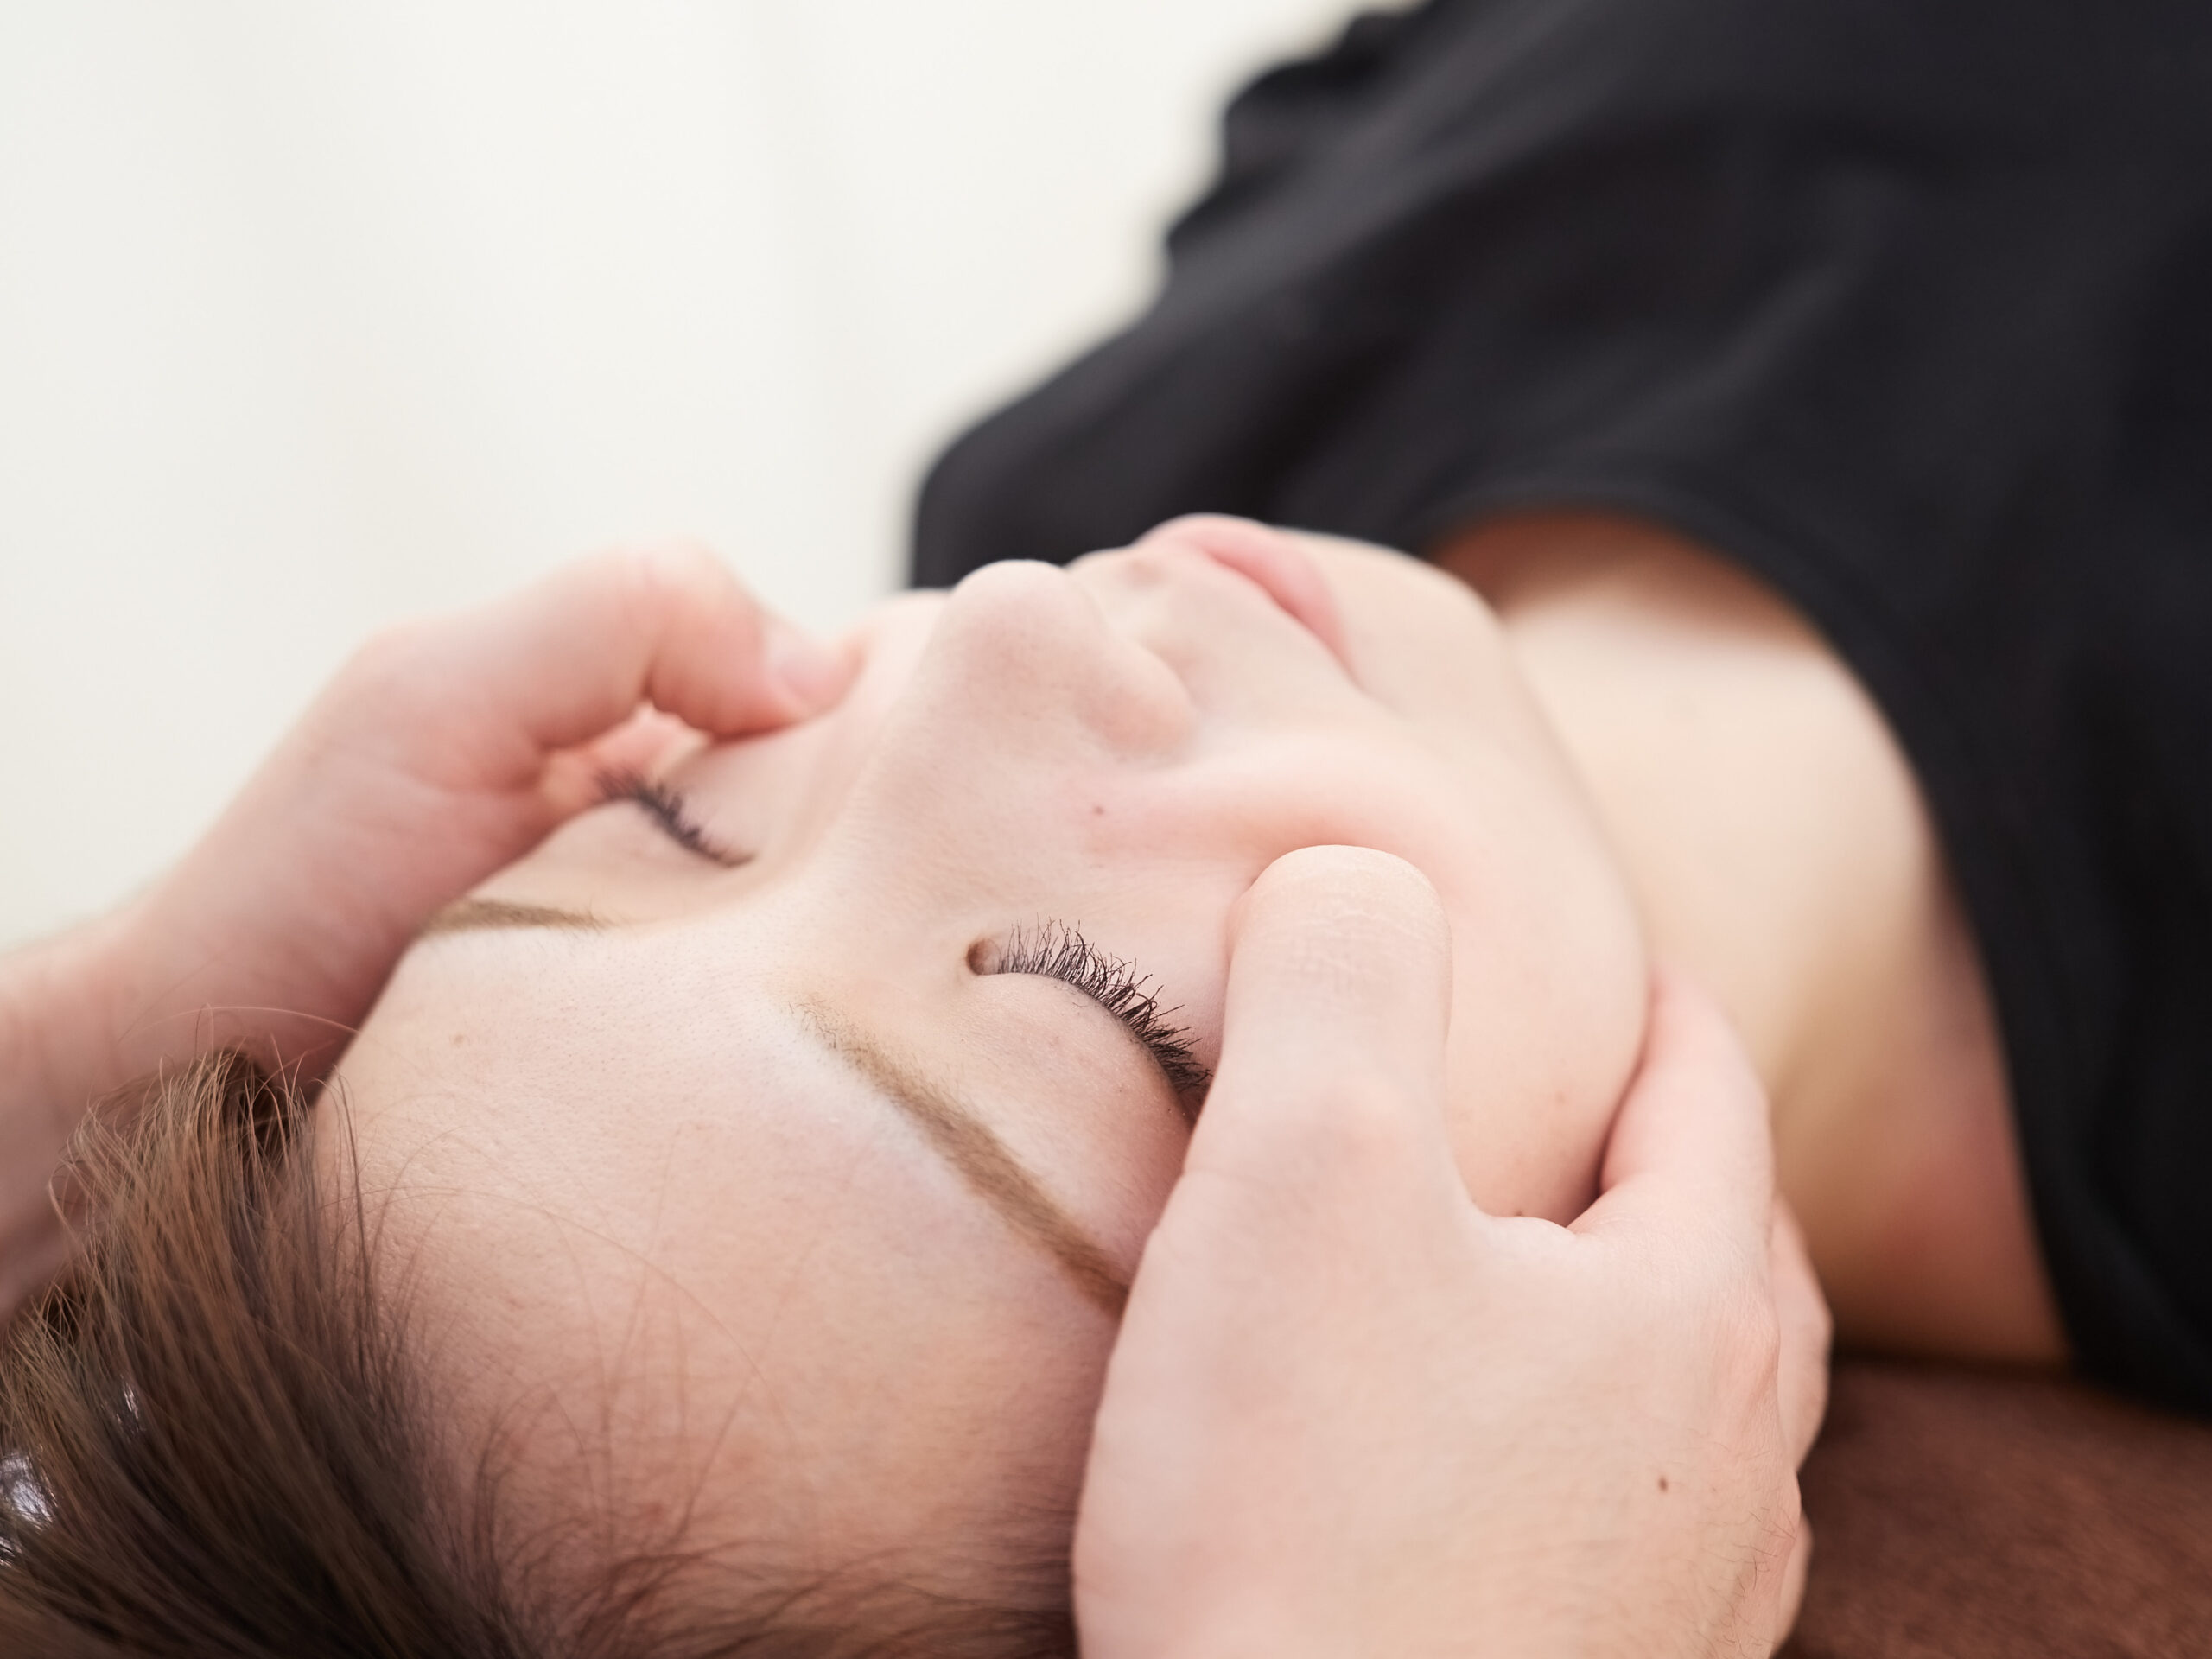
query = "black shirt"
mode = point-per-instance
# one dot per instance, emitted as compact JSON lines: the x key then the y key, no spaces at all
{"x":1905,"y":305}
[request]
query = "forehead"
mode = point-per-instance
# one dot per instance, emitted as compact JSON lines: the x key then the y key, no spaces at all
{"x":708,"y":1243}
{"x":585,"y":1072}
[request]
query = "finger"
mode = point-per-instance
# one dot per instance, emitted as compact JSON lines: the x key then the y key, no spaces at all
{"x":1801,"y":1316}
{"x":1337,"y":1010}
{"x":1267,"y":1290}
{"x":1691,"y":1143}
{"x":647,"y":745}
{"x":571,"y":657}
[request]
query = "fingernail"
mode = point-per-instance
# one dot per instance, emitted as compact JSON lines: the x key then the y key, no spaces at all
{"x":814,"y":674}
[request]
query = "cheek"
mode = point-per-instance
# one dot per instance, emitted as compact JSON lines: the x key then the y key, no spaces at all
{"x":1550,"y":975}
{"x":1550,"y":981}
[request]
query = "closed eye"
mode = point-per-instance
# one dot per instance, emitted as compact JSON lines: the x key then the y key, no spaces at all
{"x":670,"y":813}
{"x":1055,"y":951}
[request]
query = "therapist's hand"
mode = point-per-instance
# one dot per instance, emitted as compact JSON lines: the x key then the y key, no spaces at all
{"x":444,"y":751}
{"x":1349,"y":1414}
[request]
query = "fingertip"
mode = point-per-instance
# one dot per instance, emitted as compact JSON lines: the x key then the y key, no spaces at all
{"x":1693,"y":1021}
{"x":811,"y":674}
{"x":1337,"y":1014}
{"x":1695,"y":1051}
{"x":1692,"y":1126}
{"x":1332,"y":929}
{"x":1347,"y":887}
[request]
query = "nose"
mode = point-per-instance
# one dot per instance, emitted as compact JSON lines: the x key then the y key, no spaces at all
{"x":1023,"y":644}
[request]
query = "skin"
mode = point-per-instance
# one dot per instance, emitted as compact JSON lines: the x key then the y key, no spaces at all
{"x":1779,"y":851}
{"x":1256,"y":1487}
{"x":868,"y":1161}
{"x":671,"y":1175}
{"x":444,"y":751}
{"x":449,"y":748}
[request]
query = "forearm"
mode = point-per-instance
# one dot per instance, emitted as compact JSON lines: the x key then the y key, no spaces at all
{"x":242,"y":946}
{"x":444,"y":751}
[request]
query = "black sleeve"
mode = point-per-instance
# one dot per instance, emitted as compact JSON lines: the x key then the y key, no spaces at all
{"x":1906,"y":305}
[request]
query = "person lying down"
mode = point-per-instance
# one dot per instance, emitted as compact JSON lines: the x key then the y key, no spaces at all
{"x":713,"y":1240}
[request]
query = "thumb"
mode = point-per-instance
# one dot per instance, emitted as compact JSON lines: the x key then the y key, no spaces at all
{"x":1691,"y":1150}
{"x":1337,"y":1005}
{"x":1239,"y":1391}
{"x":481,"y":698}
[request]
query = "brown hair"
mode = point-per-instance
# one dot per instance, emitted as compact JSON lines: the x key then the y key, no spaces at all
{"x":211,"y":1442}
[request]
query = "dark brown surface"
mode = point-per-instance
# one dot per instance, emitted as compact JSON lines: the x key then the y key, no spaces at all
{"x":1958,"y":1514}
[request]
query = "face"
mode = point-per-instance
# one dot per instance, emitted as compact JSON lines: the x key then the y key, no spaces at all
{"x":778,"y":1143}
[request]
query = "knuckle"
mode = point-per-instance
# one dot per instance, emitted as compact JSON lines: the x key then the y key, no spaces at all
{"x":1821,"y":1317}
{"x":1732,"y":1323}
{"x":391,"y":688}
{"x":1748,"y":1341}
{"x":1814,"y":1319}
{"x":1790,"y":1508}
{"x":391,"y":659}
{"x":651,"y":580}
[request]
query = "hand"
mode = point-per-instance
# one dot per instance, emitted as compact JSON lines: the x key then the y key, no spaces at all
{"x":442,"y":751}
{"x":1350,"y":1413}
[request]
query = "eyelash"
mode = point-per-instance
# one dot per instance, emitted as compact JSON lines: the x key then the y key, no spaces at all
{"x":1055,"y":951}
{"x":669,"y":809}
{"x":1051,"y":951}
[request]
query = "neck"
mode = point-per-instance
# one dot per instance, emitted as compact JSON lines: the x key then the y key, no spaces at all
{"x":1777,"y":843}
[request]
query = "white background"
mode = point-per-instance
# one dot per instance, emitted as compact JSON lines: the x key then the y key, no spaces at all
{"x":314,"y":313}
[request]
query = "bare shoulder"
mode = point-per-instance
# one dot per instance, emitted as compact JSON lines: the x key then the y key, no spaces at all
{"x":1782,"y":850}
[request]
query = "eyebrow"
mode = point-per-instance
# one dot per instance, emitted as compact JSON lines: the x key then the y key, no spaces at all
{"x":476,"y":915}
{"x":979,"y":1157}
{"x":955,"y":1133}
